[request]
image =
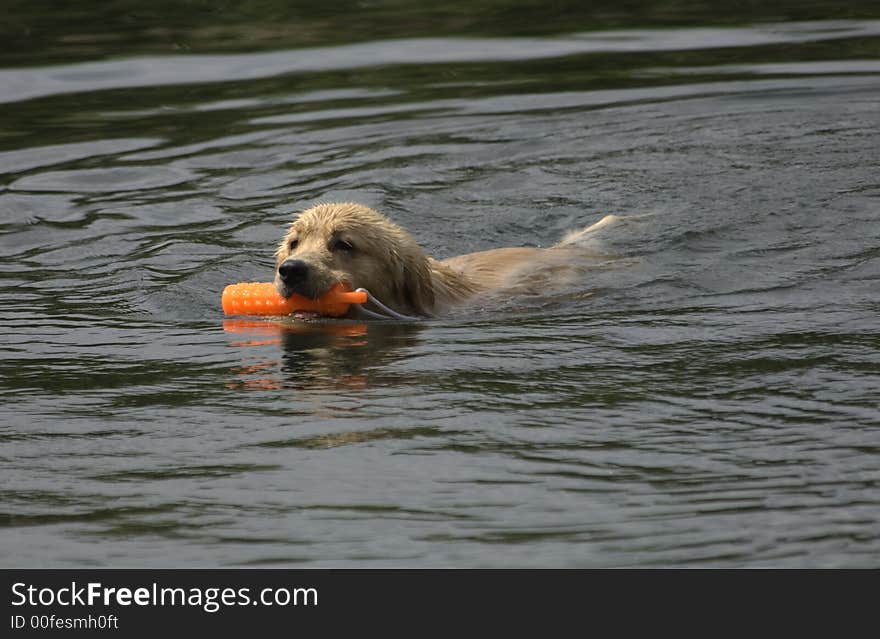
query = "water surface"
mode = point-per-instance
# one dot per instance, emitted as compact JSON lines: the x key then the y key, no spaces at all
{"x":708,"y":396}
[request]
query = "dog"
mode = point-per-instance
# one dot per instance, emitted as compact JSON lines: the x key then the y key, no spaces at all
{"x":353,"y":244}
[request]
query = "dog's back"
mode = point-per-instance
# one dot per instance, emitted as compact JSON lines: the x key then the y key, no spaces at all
{"x":511,"y":268}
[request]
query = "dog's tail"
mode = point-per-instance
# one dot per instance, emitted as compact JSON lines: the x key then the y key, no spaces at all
{"x":578,"y":237}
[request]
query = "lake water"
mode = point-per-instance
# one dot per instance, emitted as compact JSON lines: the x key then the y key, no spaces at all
{"x":707,"y":396}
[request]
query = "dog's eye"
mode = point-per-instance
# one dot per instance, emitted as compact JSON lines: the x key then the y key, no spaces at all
{"x":292,"y":244}
{"x":341,"y":245}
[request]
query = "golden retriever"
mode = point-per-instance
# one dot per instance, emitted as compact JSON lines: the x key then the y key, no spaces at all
{"x":351,"y":243}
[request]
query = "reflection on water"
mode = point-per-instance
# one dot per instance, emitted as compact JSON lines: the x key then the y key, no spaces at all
{"x":703,"y":390}
{"x":327,"y":355}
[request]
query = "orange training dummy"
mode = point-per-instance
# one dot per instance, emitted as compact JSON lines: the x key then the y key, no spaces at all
{"x":261,"y":298}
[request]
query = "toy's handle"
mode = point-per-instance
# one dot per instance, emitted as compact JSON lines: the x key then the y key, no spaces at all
{"x":261,"y":298}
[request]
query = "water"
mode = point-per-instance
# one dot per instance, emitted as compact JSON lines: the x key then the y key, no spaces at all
{"x":707,"y":397}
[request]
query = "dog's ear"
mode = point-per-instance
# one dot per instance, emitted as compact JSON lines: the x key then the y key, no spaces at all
{"x":416,"y":284}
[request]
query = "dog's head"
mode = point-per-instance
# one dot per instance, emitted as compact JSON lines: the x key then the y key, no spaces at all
{"x":351,"y":243}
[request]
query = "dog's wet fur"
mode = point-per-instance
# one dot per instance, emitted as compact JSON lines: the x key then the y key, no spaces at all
{"x":353,"y":244}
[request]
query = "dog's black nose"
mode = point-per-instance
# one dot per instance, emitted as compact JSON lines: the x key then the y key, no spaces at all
{"x":293,"y":271}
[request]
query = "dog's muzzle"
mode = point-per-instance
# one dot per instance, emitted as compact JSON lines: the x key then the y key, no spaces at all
{"x":293,"y":271}
{"x":294,"y":276}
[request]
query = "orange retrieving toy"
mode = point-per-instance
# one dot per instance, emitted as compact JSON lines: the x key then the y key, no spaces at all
{"x":261,"y":298}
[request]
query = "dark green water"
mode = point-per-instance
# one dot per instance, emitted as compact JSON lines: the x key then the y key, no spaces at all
{"x":707,"y":397}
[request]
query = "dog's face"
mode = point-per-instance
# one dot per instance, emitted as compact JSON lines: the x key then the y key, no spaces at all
{"x":350,"y":243}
